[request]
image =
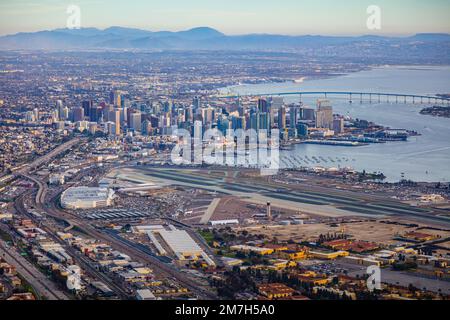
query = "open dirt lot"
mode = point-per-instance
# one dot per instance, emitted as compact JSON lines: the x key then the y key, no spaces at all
{"x":368,"y":230}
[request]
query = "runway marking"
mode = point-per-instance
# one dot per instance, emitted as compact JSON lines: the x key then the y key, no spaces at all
{"x":209,"y":212}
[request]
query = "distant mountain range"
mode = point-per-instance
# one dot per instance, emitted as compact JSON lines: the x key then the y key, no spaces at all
{"x":202,"y":38}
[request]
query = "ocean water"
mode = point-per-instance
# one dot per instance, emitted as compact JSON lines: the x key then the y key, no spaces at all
{"x":421,"y":158}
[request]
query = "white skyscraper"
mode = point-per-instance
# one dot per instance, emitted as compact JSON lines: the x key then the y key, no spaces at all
{"x":324,"y":114}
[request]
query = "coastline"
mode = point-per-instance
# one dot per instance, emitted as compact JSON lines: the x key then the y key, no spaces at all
{"x":429,"y":149}
{"x":308,"y":79}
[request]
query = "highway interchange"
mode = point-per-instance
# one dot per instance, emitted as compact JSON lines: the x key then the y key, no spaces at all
{"x":50,"y":205}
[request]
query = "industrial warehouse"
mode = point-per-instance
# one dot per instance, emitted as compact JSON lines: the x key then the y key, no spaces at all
{"x":176,"y":241}
{"x":236,"y":160}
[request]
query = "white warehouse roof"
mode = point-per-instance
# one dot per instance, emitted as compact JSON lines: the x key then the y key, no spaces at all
{"x":145,"y":294}
{"x":180,"y":242}
{"x":86,"y":197}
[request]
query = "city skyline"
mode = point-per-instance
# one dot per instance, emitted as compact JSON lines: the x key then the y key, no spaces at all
{"x":233,"y":18}
{"x":222,"y":157}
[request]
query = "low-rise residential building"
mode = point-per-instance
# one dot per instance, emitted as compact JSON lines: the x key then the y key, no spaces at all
{"x":275,"y":290}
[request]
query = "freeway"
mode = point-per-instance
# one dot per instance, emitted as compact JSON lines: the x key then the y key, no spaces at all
{"x":142,"y":256}
{"x":46,"y":158}
{"x":50,"y":206}
{"x":79,"y":259}
{"x":129,"y":249}
{"x":44,"y":287}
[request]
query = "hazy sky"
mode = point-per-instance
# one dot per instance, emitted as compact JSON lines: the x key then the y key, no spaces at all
{"x":295,"y":17}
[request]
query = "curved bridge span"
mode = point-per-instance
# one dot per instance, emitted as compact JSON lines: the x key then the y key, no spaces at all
{"x":358,"y":96}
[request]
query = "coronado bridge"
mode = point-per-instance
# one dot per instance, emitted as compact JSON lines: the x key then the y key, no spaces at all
{"x":354,"y":96}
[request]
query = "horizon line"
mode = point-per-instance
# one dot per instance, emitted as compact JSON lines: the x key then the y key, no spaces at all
{"x":394,"y":35}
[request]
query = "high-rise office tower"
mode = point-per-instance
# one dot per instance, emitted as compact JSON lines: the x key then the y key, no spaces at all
{"x":307,"y":113}
{"x":207,"y":115}
{"x":173,"y":108}
{"x":223,"y":124}
{"x":114,"y":98}
{"x":188,"y":114}
{"x":263,"y":121}
{"x":36,"y":114}
{"x":320,"y":119}
{"x":123,"y":115}
{"x":254,"y":121}
{"x":107,"y":111}
{"x":146,"y":127}
{"x":294,"y":113}
{"x":77,"y":114}
{"x":87,"y":105}
{"x":60,"y":108}
{"x":136,"y":121}
{"x":275,"y":104}
{"x":128,"y":116}
{"x":263,"y":105}
{"x":282,"y":118}
{"x":197,"y":130}
{"x":55,"y":116}
{"x":117,"y":121}
{"x":94,"y":113}
{"x":114,"y":117}
{"x":164,"y":122}
{"x":154,"y":121}
{"x":196,"y":102}
{"x":65,"y":114}
{"x":110,"y":116}
{"x":324,"y":114}
{"x":110,"y":128}
{"x":238,"y":123}
{"x":166,"y":107}
{"x":338,"y":125}
{"x":241,"y":111}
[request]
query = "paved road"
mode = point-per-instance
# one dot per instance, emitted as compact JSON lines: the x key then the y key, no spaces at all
{"x":43,"y":286}
{"x":52,"y":210}
{"x":40,"y":201}
{"x":46,"y":158}
{"x":402,"y":278}
{"x":83,"y":262}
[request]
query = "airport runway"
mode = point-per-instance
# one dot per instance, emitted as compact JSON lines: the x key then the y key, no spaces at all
{"x":308,"y":199}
